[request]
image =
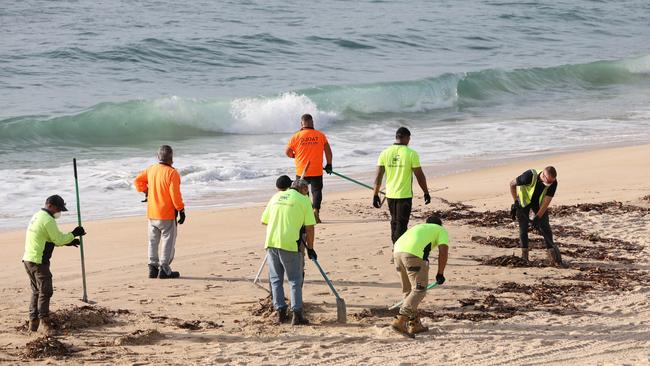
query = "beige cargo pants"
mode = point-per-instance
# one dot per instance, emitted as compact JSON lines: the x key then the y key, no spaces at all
{"x":414,"y":273}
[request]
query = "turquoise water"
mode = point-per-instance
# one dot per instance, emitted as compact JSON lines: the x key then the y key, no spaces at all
{"x":225,"y":84}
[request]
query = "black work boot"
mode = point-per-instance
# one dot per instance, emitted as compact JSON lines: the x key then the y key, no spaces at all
{"x":298,"y":319}
{"x":153,"y":271}
{"x":172,"y":274}
{"x":283,"y":317}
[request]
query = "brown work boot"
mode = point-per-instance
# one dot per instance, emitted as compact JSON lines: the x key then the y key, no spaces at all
{"x":33,"y":324}
{"x":46,"y":326}
{"x":524,"y":254}
{"x":415,"y":326}
{"x":399,"y":325}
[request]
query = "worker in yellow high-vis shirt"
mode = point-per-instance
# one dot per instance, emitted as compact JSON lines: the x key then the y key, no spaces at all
{"x":411,"y":255}
{"x":400,"y":163}
{"x":42,"y":236}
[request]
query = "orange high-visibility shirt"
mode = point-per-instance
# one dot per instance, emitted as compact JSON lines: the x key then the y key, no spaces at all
{"x":308,"y":145}
{"x":163,"y":186}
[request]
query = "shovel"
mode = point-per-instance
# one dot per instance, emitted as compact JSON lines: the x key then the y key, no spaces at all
{"x":429,"y":287}
{"x":340,"y":303}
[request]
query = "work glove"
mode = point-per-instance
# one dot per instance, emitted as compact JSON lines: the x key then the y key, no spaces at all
{"x":440,"y":278}
{"x":376,"y":201}
{"x":311,"y":253}
{"x":181,"y":217}
{"x":79,"y":231}
{"x":146,"y":194}
{"x":513,"y":210}
{"x":535,"y":222}
{"x":427,"y":198}
{"x":328,"y":169}
{"x":74,"y":243}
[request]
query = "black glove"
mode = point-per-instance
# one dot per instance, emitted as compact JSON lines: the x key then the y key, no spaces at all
{"x":376,"y":201}
{"x":328,"y":169}
{"x":440,"y":278}
{"x":73,"y":243}
{"x":513,"y":210}
{"x":146,"y":194}
{"x":535,"y":222}
{"x":79,"y":231}
{"x":427,"y":198}
{"x":312,"y":254}
{"x":181,"y":217}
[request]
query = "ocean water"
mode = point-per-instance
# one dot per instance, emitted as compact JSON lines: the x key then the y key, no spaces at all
{"x":225,"y":83}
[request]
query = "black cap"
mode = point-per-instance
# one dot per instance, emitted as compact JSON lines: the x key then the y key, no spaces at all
{"x":57,"y":201}
{"x":283,"y":182}
{"x":403,"y":132}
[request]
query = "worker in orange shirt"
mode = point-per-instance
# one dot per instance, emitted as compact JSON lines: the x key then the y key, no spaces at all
{"x":307,"y":147}
{"x":162,"y":185}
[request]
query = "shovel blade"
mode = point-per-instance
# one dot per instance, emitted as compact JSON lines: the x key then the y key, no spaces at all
{"x":341,"y":312}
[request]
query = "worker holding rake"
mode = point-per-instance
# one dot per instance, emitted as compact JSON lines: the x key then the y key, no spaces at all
{"x":42,"y":236}
{"x":411,"y":255}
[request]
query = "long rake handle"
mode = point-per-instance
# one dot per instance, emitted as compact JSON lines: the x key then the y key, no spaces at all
{"x":81,"y":238}
{"x":429,"y":287}
{"x":329,"y":283}
{"x":355,"y":181}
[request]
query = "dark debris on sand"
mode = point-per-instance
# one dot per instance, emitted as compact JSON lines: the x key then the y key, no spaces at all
{"x":599,"y":252}
{"x":47,"y":346}
{"x":612,"y":279}
{"x":512,"y":261}
{"x":263,"y":308}
{"x":80,"y":317}
{"x":611,"y":207}
{"x":185,"y":324}
{"x":140,"y":337}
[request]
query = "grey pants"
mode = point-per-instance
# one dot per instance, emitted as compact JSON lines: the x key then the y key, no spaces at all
{"x":165,"y":230}
{"x":40,"y":279}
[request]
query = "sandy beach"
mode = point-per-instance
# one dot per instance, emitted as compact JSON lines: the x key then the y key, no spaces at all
{"x":489,"y":312}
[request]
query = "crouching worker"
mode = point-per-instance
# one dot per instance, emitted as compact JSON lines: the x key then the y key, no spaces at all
{"x":533,"y":191}
{"x":411,"y":254}
{"x":42,"y":236}
{"x":285,"y":214}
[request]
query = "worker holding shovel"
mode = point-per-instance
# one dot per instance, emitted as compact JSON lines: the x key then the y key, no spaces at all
{"x":411,"y":255}
{"x":285,"y":214}
{"x":42,"y":236}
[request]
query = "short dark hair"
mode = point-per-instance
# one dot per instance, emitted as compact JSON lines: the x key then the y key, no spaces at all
{"x":165,"y":154}
{"x":433,"y":219}
{"x":306,"y":118}
{"x":551,"y":171}
{"x":283,"y":182}
{"x":402,"y":132}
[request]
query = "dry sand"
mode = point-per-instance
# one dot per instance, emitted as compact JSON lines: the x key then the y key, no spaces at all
{"x":595,"y":312}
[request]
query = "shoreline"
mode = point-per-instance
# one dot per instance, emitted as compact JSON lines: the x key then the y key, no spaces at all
{"x":335,"y":185}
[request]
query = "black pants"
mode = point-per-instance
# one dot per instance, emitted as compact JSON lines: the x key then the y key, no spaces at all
{"x":400,"y":213}
{"x":40,"y":279}
{"x":544,"y":227}
{"x":316,"y":184}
